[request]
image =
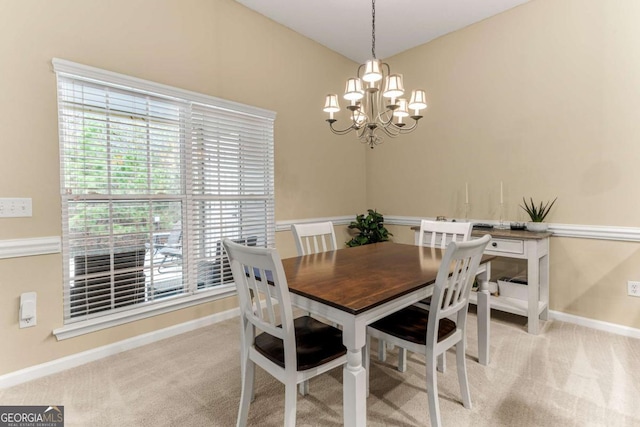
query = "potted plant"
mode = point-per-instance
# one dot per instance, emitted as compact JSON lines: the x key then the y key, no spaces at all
{"x":370,"y":228}
{"x":537,"y":213}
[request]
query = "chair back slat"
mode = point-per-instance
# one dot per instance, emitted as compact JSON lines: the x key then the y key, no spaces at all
{"x":454,"y":296}
{"x":314,"y":238}
{"x":455,"y":278}
{"x":318,"y":241}
{"x":262,"y":301}
{"x":440,"y":233}
{"x":259,"y":277}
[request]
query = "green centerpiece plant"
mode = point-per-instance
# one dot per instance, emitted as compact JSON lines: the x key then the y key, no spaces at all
{"x":537,"y":213}
{"x":370,"y":228}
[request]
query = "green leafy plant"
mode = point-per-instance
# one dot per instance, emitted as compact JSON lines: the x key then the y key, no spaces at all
{"x":371,"y":229}
{"x":537,"y":213}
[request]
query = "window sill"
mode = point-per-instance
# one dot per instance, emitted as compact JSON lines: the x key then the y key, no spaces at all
{"x":92,"y":325}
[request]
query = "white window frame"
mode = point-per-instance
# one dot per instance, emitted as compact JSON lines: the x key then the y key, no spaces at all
{"x":140,"y":311}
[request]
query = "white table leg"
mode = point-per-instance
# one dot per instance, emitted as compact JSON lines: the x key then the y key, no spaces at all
{"x":484,"y":326}
{"x":382,"y":351}
{"x":533,"y":279}
{"x":544,"y":285}
{"x":484,"y":314}
{"x":354,"y":376}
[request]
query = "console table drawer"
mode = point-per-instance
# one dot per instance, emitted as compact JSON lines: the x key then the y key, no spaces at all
{"x":506,"y":245}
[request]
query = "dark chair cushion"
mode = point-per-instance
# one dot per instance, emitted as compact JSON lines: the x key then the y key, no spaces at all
{"x":316,"y":344}
{"x":410,"y":324}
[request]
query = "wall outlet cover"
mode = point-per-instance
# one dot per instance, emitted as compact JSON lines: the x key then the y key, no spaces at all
{"x":633,"y":288}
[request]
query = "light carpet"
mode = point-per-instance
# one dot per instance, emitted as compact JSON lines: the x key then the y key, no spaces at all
{"x":567,"y":375}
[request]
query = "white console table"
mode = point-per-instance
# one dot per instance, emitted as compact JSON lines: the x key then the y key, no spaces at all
{"x":534,"y":247}
{"x":520,"y":244}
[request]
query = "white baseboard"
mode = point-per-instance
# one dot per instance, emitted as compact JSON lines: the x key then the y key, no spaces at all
{"x":595,"y":324}
{"x":58,"y":365}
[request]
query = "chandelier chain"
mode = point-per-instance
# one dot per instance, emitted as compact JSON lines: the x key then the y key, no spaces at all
{"x":373,"y":29}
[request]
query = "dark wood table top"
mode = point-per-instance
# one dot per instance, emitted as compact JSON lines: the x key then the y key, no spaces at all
{"x":360,"y":278}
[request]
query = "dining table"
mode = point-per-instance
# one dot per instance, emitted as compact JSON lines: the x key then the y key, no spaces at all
{"x":354,"y":287}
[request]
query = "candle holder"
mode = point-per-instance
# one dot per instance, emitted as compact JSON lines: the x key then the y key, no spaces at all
{"x":502,"y":224}
{"x":466,"y":212}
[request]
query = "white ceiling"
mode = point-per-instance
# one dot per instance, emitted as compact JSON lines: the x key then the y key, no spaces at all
{"x":345,"y":25}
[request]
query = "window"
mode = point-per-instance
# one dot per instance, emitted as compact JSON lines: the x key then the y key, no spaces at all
{"x":153,"y":178}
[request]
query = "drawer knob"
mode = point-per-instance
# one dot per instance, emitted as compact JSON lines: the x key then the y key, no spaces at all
{"x":494,"y":244}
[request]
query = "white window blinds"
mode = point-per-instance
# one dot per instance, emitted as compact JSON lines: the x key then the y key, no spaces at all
{"x":153,"y":178}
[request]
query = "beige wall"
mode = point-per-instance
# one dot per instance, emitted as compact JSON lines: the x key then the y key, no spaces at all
{"x":216,"y":47}
{"x":545,"y":98}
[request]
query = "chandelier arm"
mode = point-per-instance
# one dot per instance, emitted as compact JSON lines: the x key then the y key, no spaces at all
{"x":391,"y":124}
{"x":393,"y":130}
{"x":385,"y":117}
{"x":390,"y":132}
{"x":384,"y":64}
{"x":408,"y":129}
{"x":342,"y":131}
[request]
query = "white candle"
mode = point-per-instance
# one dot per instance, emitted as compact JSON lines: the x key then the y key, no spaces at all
{"x":466,"y":192}
{"x":501,"y":194}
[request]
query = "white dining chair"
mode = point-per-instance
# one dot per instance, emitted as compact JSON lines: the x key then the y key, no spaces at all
{"x":433,"y":234}
{"x":291,"y":350}
{"x":432,"y":332}
{"x":438,"y":234}
{"x":314,"y":237}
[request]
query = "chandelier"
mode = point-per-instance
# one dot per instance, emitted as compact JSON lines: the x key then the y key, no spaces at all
{"x":375,"y":100}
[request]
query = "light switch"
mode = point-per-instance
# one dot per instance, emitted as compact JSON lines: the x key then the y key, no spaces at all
{"x":15,"y":208}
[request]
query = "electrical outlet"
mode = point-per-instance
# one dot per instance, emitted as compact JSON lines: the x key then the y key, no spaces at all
{"x":27,"y":317}
{"x":633,"y":288}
